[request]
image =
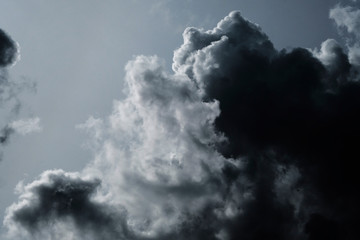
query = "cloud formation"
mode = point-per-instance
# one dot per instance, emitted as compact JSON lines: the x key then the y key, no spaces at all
{"x":240,"y":141}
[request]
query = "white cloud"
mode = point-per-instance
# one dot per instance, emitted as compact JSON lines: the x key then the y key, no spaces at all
{"x":348,"y":17}
{"x":158,"y":149}
{"x":26,"y":126}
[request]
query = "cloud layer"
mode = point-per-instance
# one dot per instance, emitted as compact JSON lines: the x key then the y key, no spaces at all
{"x":241,"y":141}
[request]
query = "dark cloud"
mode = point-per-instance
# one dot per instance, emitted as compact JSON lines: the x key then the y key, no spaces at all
{"x":64,"y":197}
{"x":8,"y":49}
{"x":242,"y":141}
{"x":8,"y":55}
{"x":301,"y":105}
{"x":4,"y":134}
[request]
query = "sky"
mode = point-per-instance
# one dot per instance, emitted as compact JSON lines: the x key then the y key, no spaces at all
{"x":206,"y":119}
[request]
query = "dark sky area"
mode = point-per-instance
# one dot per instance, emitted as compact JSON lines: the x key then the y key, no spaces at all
{"x":143,"y":120}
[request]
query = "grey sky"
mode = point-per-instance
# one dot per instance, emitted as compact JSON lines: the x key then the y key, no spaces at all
{"x":76,"y":52}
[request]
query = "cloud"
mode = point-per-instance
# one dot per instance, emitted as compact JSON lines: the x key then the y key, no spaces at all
{"x":26,"y":126}
{"x":158,"y":150}
{"x":9,"y":52}
{"x":348,"y":18}
{"x":8,"y":56}
{"x":5,"y":133}
{"x":59,"y":197}
{"x":10,"y":91}
{"x":156,"y":161}
{"x":300,"y":105}
{"x":240,"y":141}
{"x":93,"y":126}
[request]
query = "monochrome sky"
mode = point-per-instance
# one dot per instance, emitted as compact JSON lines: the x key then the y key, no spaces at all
{"x":188,"y":119}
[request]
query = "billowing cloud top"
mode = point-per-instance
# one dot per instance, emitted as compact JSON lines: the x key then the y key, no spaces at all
{"x":241,"y":141}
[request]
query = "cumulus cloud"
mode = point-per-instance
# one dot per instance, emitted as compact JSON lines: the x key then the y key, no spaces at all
{"x":303,"y":106}
{"x":240,"y":141}
{"x":56,"y":199}
{"x":156,"y":161}
{"x":158,"y":150}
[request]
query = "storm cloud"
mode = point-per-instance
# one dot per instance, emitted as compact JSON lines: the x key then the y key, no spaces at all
{"x":240,"y":141}
{"x":65,"y":197}
{"x":302,"y":107}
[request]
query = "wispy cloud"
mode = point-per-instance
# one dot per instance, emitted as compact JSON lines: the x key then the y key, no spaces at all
{"x":26,"y":126}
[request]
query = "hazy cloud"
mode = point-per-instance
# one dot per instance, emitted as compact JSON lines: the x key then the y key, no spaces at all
{"x":10,"y":90}
{"x":26,"y":126}
{"x":5,"y":133}
{"x":8,"y":56}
